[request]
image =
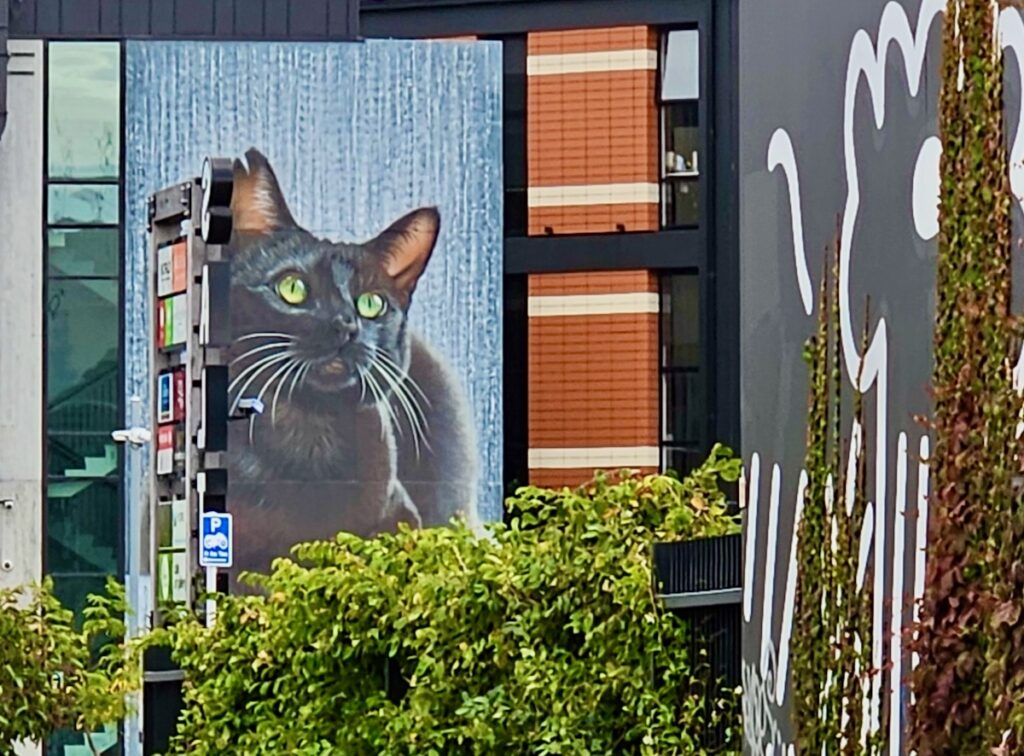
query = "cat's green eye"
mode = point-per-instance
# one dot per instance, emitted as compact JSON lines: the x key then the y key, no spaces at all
{"x":292,"y":289}
{"x":371,"y":305}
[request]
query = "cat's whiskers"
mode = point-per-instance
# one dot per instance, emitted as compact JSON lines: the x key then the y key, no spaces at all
{"x":362,"y":384}
{"x":258,"y":367}
{"x":280,"y":345}
{"x":302,"y":380}
{"x":283,"y":372}
{"x":261,"y":362}
{"x":266,"y":335}
{"x":399,"y":382}
{"x":399,"y":371}
{"x":294,"y":365}
{"x":295,"y":378}
{"x":410,"y":407}
{"x":383,"y":405}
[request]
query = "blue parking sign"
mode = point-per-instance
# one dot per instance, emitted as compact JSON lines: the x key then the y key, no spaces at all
{"x":216,"y":544}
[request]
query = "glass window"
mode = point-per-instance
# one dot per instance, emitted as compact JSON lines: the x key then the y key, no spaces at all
{"x":683,"y":400}
{"x":81,"y":350}
{"x":83,"y":252}
{"x":82,"y":204}
{"x":680,"y":74}
{"x":680,"y":321}
{"x":81,"y":534}
{"x":84,"y":110}
{"x":680,"y":125}
{"x":82,"y":452}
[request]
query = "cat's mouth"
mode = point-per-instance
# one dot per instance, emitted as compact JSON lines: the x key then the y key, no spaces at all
{"x":335,"y":367}
{"x":332,"y":375}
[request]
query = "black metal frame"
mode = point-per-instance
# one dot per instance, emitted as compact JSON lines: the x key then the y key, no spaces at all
{"x":700,"y":581}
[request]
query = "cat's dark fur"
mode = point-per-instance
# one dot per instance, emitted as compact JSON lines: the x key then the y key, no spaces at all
{"x":364,"y":426}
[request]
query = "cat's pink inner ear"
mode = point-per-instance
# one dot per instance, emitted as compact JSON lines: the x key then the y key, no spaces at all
{"x":409,"y":243}
{"x":256,"y":202}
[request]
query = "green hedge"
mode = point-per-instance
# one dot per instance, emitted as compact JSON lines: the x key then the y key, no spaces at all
{"x":543,"y":638}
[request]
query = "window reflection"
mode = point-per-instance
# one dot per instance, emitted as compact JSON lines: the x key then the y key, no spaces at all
{"x":82,"y":204}
{"x":81,"y":345}
{"x":84,"y":110}
{"x":82,"y":252}
{"x":80,"y":538}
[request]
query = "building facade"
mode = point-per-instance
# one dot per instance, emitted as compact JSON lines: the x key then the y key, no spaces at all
{"x":621,"y":245}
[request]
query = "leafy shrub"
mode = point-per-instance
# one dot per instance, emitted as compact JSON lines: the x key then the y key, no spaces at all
{"x":541,"y":638}
{"x":55,"y":675}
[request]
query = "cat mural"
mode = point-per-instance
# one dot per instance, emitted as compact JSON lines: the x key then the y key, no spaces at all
{"x":364,"y":426}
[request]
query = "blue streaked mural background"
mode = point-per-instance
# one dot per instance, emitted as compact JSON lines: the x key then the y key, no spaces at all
{"x":358,"y":135}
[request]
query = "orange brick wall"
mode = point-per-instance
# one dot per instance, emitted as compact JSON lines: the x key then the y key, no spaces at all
{"x":598,"y":127}
{"x":593,"y":378}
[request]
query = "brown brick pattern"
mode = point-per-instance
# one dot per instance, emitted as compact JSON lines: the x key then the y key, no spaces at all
{"x":598,"y":127}
{"x":593,"y":378}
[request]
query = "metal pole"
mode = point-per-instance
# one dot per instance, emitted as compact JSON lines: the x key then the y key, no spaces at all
{"x":138,"y":583}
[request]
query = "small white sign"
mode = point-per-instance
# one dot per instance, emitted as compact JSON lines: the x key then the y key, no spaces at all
{"x":179,"y":524}
{"x":165,"y":450}
{"x":172,"y":571}
{"x":180,"y":320}
{"x":164,"y":271}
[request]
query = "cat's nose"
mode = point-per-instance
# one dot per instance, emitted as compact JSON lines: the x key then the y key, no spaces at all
{"x":346,"y":326}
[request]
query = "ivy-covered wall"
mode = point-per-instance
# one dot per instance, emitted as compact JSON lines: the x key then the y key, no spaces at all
{"x":840,"y":149}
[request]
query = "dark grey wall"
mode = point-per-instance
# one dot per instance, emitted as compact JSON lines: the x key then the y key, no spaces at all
{"x":223,"y":19}
{"x":794,"y":56}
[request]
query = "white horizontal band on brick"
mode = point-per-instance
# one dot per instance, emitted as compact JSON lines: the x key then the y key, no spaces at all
{"x":640,"y":302}
{"x":593,"y":194}
{"x":592,"y":62}
{"x":607,"y":457}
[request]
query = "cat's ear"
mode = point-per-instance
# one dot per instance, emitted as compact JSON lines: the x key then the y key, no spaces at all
{"x":257,"y":205}
{"x":407,"y":245}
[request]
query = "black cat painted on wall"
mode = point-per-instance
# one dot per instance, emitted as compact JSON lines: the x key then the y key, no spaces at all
{"x":364,"y":425}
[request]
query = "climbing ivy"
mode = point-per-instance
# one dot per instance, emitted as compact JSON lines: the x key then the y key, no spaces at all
{"x":969,"y":684}
{"x":831,"y":641}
